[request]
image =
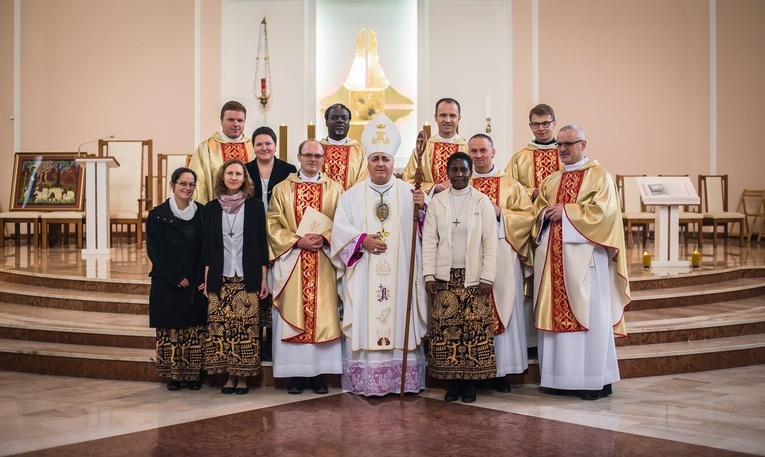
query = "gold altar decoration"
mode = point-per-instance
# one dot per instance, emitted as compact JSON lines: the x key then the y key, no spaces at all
{"x":366,"y":91}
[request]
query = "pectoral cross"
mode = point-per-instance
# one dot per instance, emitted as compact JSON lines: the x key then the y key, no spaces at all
{"x":456,"y":222}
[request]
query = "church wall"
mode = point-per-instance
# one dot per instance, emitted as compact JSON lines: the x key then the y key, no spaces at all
{"x":635,"y":76}
{"x":6,"y":101}
{"x":741,"y":95}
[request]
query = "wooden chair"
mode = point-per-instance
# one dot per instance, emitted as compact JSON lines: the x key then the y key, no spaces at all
{"x":633,"y":209}
{"x":166,"y":165}
{"x":64,"y":218}
{"x":756,"y":200}
{"x":29,"y":218}
{"x":714,"y":198}
{"x":130,"y":185}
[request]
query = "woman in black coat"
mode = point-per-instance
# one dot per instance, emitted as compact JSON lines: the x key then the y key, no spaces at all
{"x":235,"y":258}
{"x":177,"y":307}
{"x":266,"y":171}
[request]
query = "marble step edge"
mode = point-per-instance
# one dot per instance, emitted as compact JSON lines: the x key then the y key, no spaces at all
{"x":50,"y":325}
{"x":753,"y":314}
{"x":703,"y":276}
{"x":73,"y":279}
{"x":714,"y":289}
{"x":684,"y":348}
{"x":72,"y":294}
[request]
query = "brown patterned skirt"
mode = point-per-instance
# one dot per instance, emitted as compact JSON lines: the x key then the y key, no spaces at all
{"x":461,"y":331}
{"x":179,"y":353}
{"x":233,"y":317}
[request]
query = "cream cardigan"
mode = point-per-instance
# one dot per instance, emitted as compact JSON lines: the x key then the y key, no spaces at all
{"x":481,"y":255}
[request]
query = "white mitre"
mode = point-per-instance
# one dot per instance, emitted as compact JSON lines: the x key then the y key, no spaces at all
{"x":381,"y":135}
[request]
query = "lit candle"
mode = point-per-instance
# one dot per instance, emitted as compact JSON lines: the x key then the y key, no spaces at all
{"x":646,"y":260}
{"x":283,"y":142}
{"x":311,"y":130}
{"x":426,"y":129}
{"x":696,"y":259}
{"x":263,"y":86}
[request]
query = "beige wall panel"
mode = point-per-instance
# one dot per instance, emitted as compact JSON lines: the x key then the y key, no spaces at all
{"x":470,"y":61}
{"x":634,"y":75}
{"x":741,"y":94}
{"x":6,"y":101}
{"x":210,"y":33}
{"x":96,"y":67}
{"x":522,"y":74}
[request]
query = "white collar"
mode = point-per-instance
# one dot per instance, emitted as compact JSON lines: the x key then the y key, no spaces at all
{"x":331,"y":141}
{"x":381,"y":187}
{"x":314,"y":178}
{"x":488,"y":174}
{"x":446,"y":140}
{"x":576,"y":166}
{"x":232,"y":140}
{"x":534,"y":143}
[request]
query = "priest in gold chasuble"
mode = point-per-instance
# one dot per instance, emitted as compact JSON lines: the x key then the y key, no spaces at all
{"x":438,"y":149}
{"x":306,"y":328}
{"x":539,"y":159}
{"x":581,"y":285}
{"x":371,"y":247}
{"x":344,"y":158}
{"x":516,"y":215}
{"x":229,"y":143}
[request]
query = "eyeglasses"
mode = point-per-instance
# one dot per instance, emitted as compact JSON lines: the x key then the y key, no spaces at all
{"x":567,"y":144}
{"x":536,"y":125}
{"x":312,"y":156}
{"x":186,"y":184}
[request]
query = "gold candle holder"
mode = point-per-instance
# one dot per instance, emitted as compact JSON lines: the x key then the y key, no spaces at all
{"x":311,"y":131}
{"x":646,"y":260}
{"x":283,"y":142}
{"x":696,"y":259}
{"x":426,"y":129}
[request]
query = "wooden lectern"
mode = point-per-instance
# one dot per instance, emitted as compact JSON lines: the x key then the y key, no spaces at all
{"x":97,"y":203}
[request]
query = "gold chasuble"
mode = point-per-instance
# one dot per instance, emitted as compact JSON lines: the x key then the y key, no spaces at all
{"x":304,"y":287}
{"x":346,"y":163}
{"x":434,"y":162}
{"x":518,"y":216}
{"x":563,"y":290}
{"x":531,"y":165}
{"x":210,"y":155}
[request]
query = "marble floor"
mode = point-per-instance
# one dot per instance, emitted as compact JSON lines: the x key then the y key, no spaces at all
{"x":707,"y":413}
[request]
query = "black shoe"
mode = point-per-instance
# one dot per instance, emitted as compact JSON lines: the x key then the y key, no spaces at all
{"x":297,"y":385}
{"x":590,"y":394}
{"x":607,"y":390}
{"x":453,"y":391}
{"x":501,"y":385}
{"x":551,"y":391}
{"x":317,"y":385}
{"x":241,"y":390}
{"x":194,"y":385}
{"x":227,"y":390}
{"x":468,"y":392}
{"x":173,"y":385}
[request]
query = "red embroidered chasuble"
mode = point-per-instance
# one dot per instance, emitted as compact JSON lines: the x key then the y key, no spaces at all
{"x":441,"y":153}
{"x":336,"y":158}
{"x":308,"y":194}
{"x":563,"y":317}
{"x":234,"y":151}
{"x":545,"y":164}
{"x":490,"y":186}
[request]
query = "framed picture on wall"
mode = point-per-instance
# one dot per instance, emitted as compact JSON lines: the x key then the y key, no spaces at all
{"x":47,"y":181}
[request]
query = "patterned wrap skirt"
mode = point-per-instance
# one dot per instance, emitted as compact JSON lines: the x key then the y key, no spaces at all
{"x":233,"y":318}
{"x":461,"y":331}
{"x":179,"y":352}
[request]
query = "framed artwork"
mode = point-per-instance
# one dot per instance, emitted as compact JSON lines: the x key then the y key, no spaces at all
{"x":47,"y":181}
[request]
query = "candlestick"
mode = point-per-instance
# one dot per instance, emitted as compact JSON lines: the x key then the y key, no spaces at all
{"x":426,"y":129}
{"x":311,"y":131}
{"x":646,"y":260}
{"x":696,"y":259}
{"x":283,"y":142}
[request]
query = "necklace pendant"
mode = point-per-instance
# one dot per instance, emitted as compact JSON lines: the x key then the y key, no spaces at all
{"x":231,"y":234}
{"x":456,"y":222}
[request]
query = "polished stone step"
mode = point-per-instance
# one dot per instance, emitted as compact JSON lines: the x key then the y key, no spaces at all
{"x":121,"y":286}
{"x":76,"y":327}
{"x":690,"y":356}
{"x":714,"y":320}
{"x":691,"y":295}
{"x":52,"y":297}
